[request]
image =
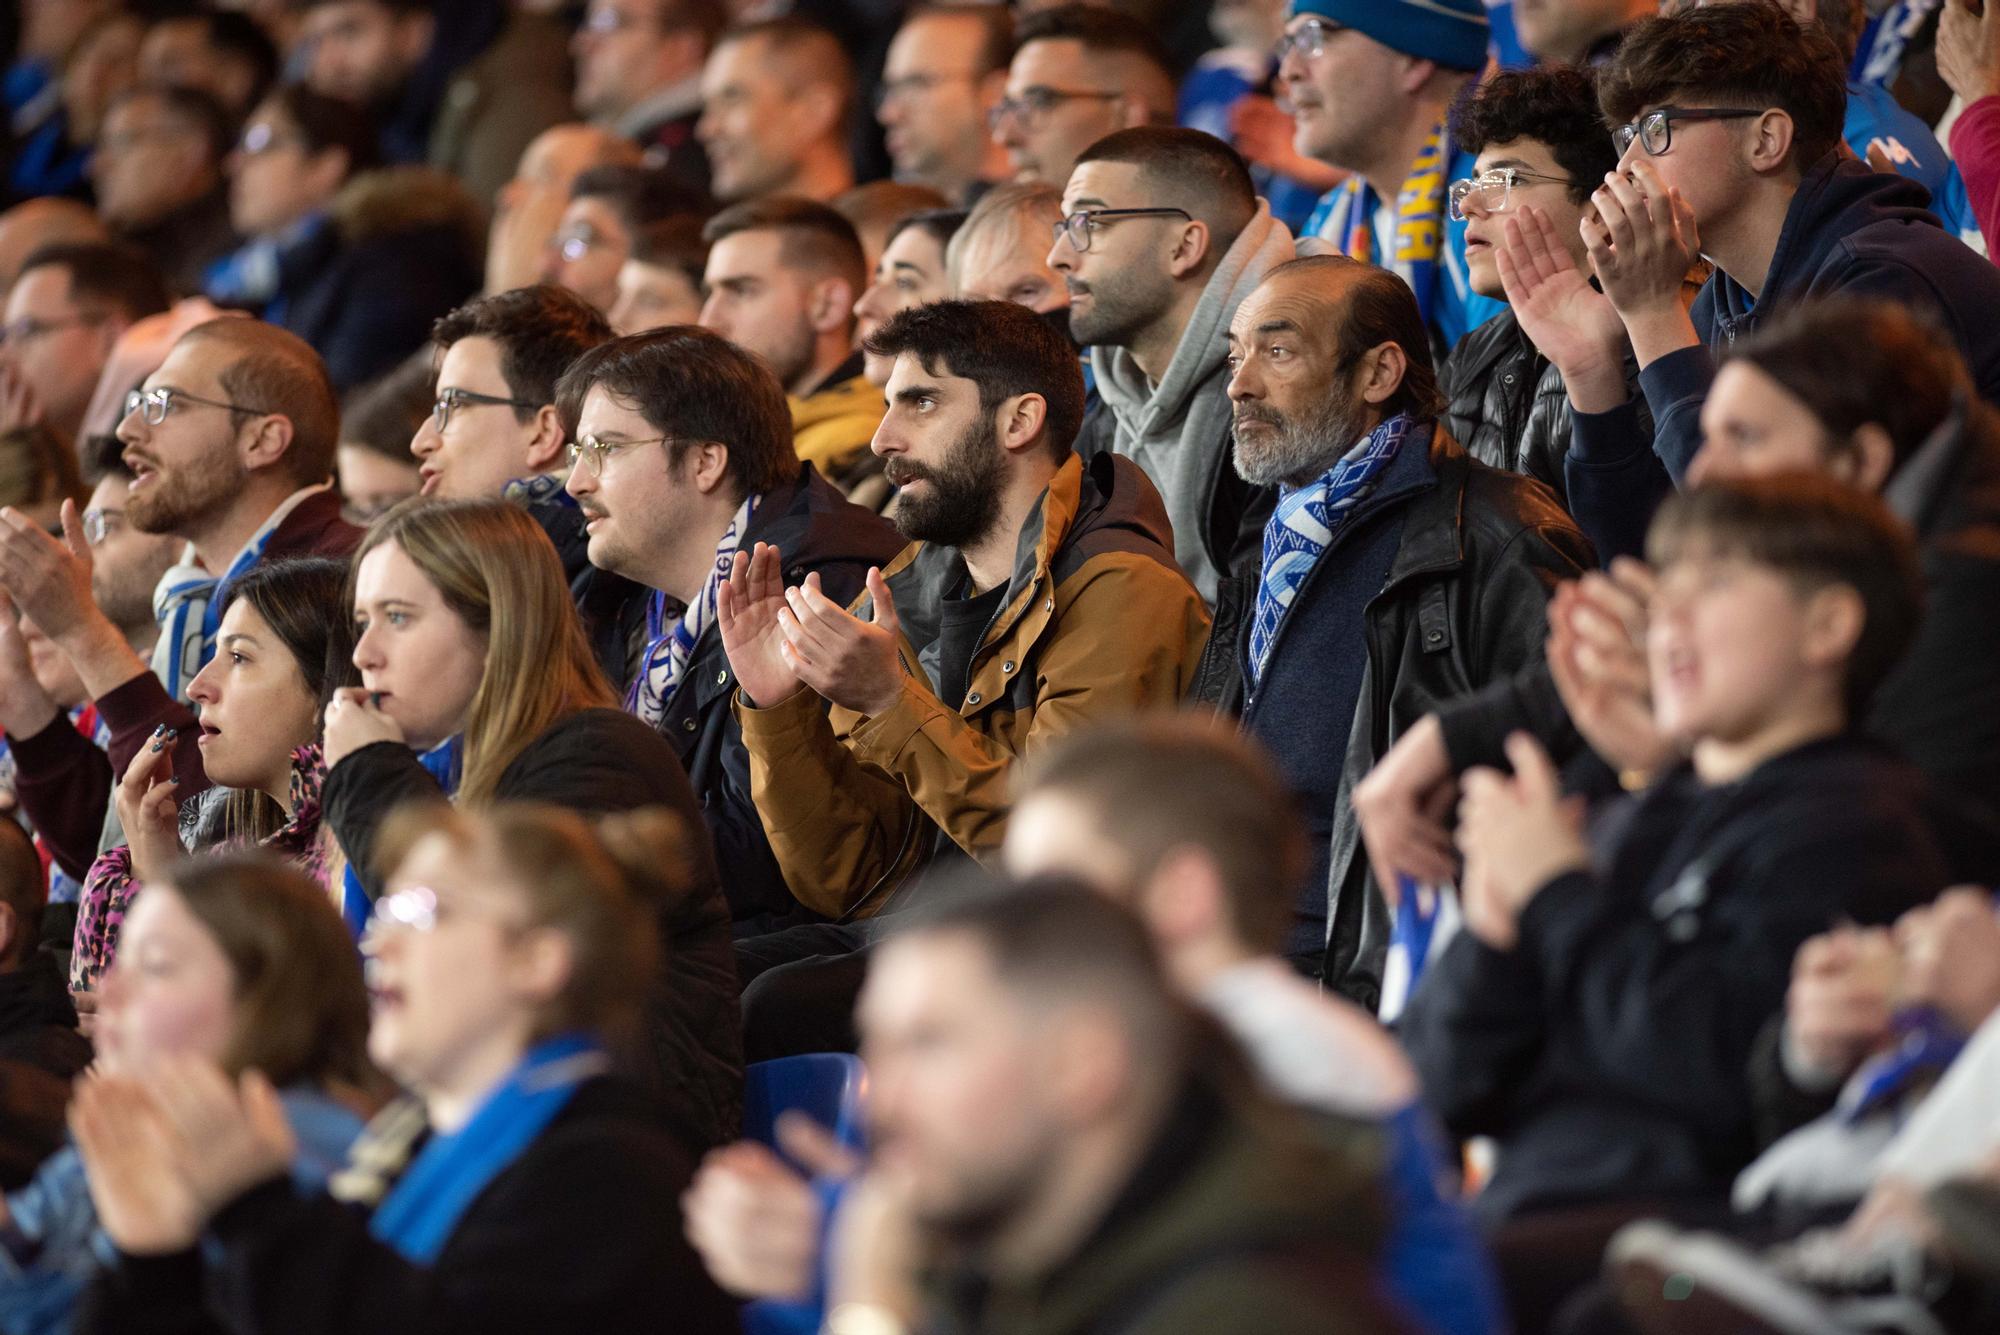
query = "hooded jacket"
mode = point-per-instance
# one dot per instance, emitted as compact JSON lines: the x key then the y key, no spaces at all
{"x":1179,"y":429}
{"x":1096,"y":621}
{"x":833,"y":425}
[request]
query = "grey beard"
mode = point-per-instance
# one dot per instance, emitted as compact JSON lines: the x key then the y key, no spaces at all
{"x":1298,"y":452}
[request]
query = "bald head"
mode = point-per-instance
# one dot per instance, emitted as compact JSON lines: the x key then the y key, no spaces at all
{"x":26,"y":228}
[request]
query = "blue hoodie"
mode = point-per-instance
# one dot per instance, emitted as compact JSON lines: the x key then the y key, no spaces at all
{"x":1850,"y":230}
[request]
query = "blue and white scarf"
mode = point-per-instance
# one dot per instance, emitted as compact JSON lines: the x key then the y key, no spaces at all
{"x":540,"y":489}
{"x":1303,"y":524}
{"x":668,"y":648}
{"x":444,"y":762}
{"x":1347,"y":219}
{"x":187,"y":602}
{"x":421,"y":1211}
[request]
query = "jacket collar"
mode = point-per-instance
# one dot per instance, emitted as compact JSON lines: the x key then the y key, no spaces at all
{"x":1432,"y":482}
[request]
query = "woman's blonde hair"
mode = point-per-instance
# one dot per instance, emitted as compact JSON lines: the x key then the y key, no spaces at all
{"x":604,"y":884}
{"x":498,"y":571}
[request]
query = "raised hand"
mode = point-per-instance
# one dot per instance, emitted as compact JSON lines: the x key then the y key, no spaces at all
{"x":755,"y":1219}
{"x":1517,"y":834}
{"x":748,"y":606}
{"x":148,"y":800}
{"x":130,"y":1160}
{"x":229,"y":1134}
{"x":25,"y":708}
{"x":1570,"y":322}
{"x":19,"y":405}
{"x":854,"y":663}
{"x":1641,"y":240}
{"x":1968,"y":49}
{"x":354,"y":720}
{"x":1403,"y":806}
{"x":49,"y":577}
{"x":1597,"y":655}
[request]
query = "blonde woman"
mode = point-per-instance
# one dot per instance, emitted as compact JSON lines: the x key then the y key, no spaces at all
{"x":477,"y":684}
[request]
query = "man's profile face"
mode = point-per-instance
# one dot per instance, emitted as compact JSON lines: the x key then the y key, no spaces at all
{"x":1067,"y":100}
{"x":942,"y":452}
{"x":360,"y":50}
{"x":761,"y":305}
{"x":55,"y":344}
{"x":754,"y":140}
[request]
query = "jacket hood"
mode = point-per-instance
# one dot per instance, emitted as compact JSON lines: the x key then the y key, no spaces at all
{"x":813,"y":525}
{"x":1262,"y":246}
{"x":396,"y":200}
{"x":1834,"y":200}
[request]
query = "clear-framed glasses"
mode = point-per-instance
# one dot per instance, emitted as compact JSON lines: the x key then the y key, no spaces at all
{"x":1492,"y":192}
{"x":99,"y":524}
{"x":1308,"y":39}
{"x":594,"y":450}
{"x":1655,"y":129}
{"x":579,"y":241}
{"x":263,"y":137}
{"x":915,"y":85}
{"x":154,"y":404}
{"x":1080,"y":226}
{"x":414,"y":907}
{"x":1037,"y":102}
{"x":27,"y":329}
{"x":450,"y":401}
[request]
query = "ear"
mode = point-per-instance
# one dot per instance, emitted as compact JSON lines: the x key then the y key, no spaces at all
{"x":1771,"y":137}
{"x":707,"y":465}
{"x":831,"y":306}
{"x":1183,"y":901}
{"x":546,"y":446}
{"x":263,"y":441}
{"x":821,"y":110}
{"x":1416,"y":74}
{"x":1191,"y":251}
{"x":1872,"y":457}
{"x":1090,"y":1065}
{"x":328,"y":170}
{"x":544,"y":963}
{"x":1833,"y":623}
{"x":1381,"y":372}
{"x":1021,"y":421}
{"x":1132,"y":112}
{"x":992,"y":88}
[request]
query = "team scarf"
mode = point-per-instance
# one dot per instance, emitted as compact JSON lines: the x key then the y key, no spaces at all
{"x":444,"y":762}
{"x":1303,"y":524}
{"x":1348,"y":221}
{"x":188,"y":602}
{"x":668,"y":648}
{"x":419,"y":1213}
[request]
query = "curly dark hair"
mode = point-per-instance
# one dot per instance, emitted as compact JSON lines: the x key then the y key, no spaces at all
{"x":1551,"y":104}
{"x":1721,"y":55}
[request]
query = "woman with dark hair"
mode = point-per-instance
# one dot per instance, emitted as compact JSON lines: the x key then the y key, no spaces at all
{"x":281,"y":651}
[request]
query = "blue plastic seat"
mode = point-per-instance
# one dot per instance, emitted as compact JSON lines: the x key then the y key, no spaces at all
{"x":829,"y":1087}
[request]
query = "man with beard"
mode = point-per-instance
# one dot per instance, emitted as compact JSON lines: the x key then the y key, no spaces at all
{"x":1163,"y":235}
{"x":683,"y":458}
{"x":1038,"y":594}
{"x":1398,"y":572}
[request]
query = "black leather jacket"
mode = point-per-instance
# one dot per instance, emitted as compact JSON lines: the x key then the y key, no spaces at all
{"x":1506,"y":404}
{"x":1480,"y":554}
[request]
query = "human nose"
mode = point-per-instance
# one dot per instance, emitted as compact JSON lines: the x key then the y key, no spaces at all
{"x":426,"y":441}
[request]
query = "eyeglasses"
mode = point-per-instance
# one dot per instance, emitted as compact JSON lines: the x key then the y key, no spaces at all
{"x":100,"y":524}
{"x":418,"y":908}
{"x":915,"y":85}
{"x":450,"y":400}
{"x":1308,"y":39}
{"x":1492,"y":192}
{"x":1037,"y":102}
{"x":1078,"y":226}
{"x":262,"y":138}
{"x":573,"y":245}
{"x":594,"y":450}
{"x":28,"y":328}
{"x":155,"y":404}
{"x":1655,"y":129}
{"x":603,"y":21}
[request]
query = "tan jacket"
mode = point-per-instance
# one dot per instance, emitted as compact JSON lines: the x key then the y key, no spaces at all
{"x":1097,"y":622}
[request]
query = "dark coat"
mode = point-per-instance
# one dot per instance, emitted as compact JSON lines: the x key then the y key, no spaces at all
{"x":1607,"y":1052}
{"x":1453,"y":599}
{"x":594,"y":761}
{"x":582,"y":1232}
{"x":40,"y":1053}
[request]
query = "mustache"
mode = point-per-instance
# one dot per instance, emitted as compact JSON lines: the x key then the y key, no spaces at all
{"x":902,"y":472}
{"x":1263,"y":416}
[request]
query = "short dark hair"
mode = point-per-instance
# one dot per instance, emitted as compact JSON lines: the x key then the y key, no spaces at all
{"x":639,"y":196}
{"x":540,"y":330}
{"x":1554,"y":105}
{"x":1003,"y":348}
{"x":1380,"y":308}
{"x":940,"y":225}
{"x":1100,"y":31}
{"x":707,"y":17}
{"x":1750,"y":54}
{"x":236,"y":35}
{"x":385,"y":414}
{"x":302,"y":599}
{"x":326,"y":123}
{"x":692,"y":385}
{"x":1818,"y":532}
{"x":1190,"y":168}
{"x":1161,"y":784}
{"x":104,"y":274}
{"x":273,"y":370}
{"x":104,"y":456}
{"x":674,"y":243}
{"x":788,"y":35}
{"x":996,"y":25}
{"x":1854,"y":361}
{"x":24,"y":887}
{"x":193,"y":108}
{"x":814,"y":236}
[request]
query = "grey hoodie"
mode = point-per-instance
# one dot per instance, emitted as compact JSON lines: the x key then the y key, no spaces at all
{"x":1173,"y":429}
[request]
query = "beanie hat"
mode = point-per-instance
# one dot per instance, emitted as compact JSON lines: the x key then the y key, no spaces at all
{"x":1451,"y":32}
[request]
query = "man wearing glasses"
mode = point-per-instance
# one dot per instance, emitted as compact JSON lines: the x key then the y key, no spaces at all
{"x":1078,"y":73}
{"x":638,"y":74}
{"x":1369,"y":82}
{"x":946,"y":69}
{"x":63,"y":315}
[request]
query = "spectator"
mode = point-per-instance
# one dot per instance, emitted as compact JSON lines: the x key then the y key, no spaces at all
{"x":357,"y":263}
{"x":1369,"y":82}
{"x":66,"y":310}
{"x":247,"y":968}
{"x":52,"y":138}
{"x":373,"y":463}
{"x":776,"y":98}
{"x":1381,"y":515}
{"x":37,"y":1020}
{"x":1540,"y":144}
{"x":879,"y":207}
{"x":910,"y":273}
{"x":638,"y":74}
{"x":607,"y":209}
{"x":511,"y":956}
{"x":783,"y":276}
{"x":660,"y":281}
{"x":1015,"y":641}
{"x":529,"y":208}
{"x":158,"y":172}
{"x":1968,"y":57}
{"x":1152,"y":286}
{"x":223,"y":53}
{"x":946,"y":70}
{"x":27,"y":227}
{"x":1079,"y":72}
{"x":1576,"y":32}
{"x":363,"y":51}
{"x":284,"y":645}
{"x":1001,"y":251}
{"x":1784,"y":601}
{"x":477,"y":684}
{"x":670,"y":519}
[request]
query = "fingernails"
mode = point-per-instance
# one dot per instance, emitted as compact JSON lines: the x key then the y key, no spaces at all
{"x":159,"y":730}
{"x":174,"y":782}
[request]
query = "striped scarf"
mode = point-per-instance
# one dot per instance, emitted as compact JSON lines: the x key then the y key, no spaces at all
{"x":668,"y":648}
{"x":1347,"y":219}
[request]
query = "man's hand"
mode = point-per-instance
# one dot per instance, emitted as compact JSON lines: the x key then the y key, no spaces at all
{"x":854,"y":663}
{"x":1517,"y":834}
{"x":1968,"y":50}
{"x":25,"y":708}
{"x":1641,"y":241}
{"x":129,"y":1156}
{"x":1951,"y":956}
{"x":148,"y":801}
{"x":1402,"y":806}
{"x":1844,"y":992}
{"x":1571,"y":323}
{"x":1597,"y":655}
{"x":354,"y":720}
{"x":19,"y":405}
{"x":756,"y":1221}
{"x":747,"y":607}
{"x":49,"y":577}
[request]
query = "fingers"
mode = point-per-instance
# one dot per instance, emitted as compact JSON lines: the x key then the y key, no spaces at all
{"x":1544,"y":248}
{"x":1534,"y":772}
{"x":883,"y":602}
{"x":150,"y":764}
{"x":814,"y":1147}
{"x":72,"y":527}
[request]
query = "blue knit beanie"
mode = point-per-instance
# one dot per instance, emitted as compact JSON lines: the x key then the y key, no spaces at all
{"x":1451,"y":32}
